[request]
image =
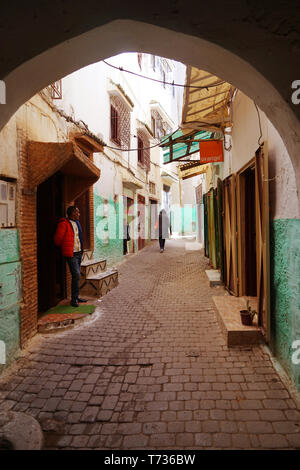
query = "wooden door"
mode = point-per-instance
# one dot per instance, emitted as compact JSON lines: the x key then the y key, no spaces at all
{"x":141,"y":221}
{"x":206,"y":240}
{"x":211,"y":229}
{"x":129,"y":207}
{"x":220,"y":227}
{"x":51,"y":267}
{"x":262,"y":237}
{"x":246,"y":222}
{"x":230,"y":236}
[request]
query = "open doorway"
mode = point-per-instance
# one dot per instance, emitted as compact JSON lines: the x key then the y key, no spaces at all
{"x":83,"y":204}
{"x":51,"y":266}
{"x":247,"y":231}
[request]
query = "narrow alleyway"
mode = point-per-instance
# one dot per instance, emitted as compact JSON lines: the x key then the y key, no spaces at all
{"x":152,"y":371}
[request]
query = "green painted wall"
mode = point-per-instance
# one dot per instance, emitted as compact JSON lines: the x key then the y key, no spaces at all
{"x":108,"y":244}
{"x":10,"y":293}
{"x":285,"y":292}
{"x":188,"y":219}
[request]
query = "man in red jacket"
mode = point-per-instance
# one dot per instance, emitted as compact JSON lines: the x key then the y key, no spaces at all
{"x":68,"y":237}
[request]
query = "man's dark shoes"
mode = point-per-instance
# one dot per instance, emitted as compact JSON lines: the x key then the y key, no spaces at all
{"x":74,"y":303}
{"x":81,"y":301}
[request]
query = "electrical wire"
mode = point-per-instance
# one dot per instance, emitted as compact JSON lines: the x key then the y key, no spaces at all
{"x":164,"y":82}
{"x":140,"y":148}
{"x":260,"y":129}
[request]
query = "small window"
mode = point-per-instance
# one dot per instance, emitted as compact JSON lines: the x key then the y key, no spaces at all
{"x":114,"y":125}
{"x":153,"y":125}
{"x":152,"y":187}
{"x":164,"y":78}
{"x":140,"y":151}
{"x":140,"y":57}
{"x":153,"y":62}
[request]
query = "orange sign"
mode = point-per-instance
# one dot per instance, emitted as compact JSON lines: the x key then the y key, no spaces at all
{"x":211,"y":151}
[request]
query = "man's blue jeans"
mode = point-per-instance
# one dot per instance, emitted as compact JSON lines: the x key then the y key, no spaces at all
{"x":74,"y":265}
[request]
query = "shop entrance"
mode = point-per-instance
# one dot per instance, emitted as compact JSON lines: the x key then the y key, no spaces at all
{"x":247,"y":231}
{"x":51,"y":266}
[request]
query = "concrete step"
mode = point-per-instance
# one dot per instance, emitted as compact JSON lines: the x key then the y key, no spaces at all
{"x":214,"y":277}
{"x":92,"y":267}
{"x":228,"y":315}
{"x":101,"y":283}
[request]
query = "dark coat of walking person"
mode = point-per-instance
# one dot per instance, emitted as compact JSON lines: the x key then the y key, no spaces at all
{"x":68,"y":237}
{"x":163,"y":228}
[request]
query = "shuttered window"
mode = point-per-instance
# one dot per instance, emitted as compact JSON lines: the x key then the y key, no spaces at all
{"x":114,"y":125}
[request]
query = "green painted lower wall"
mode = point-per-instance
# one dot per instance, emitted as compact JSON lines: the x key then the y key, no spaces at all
{"x":285,"y":293}
{"x":108,"y":244}
{"x":10,"y":294}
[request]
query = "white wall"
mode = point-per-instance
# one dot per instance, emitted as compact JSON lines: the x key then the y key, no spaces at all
{"x":86,"y":97}
{"x":244,"y":140}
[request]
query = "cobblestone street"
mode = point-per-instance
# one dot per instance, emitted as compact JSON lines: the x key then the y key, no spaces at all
{"x":151,"y":370}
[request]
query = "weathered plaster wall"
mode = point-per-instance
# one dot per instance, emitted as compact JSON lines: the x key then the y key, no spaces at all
{"x":10,"y":292}
{"x":245,"y":136}
{"x":8,"y":149}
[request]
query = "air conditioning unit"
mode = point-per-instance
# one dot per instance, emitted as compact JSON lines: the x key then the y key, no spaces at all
{"x":7,"y":204}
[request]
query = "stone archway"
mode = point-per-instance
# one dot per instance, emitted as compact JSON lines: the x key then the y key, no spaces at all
{"x":131,"y":36}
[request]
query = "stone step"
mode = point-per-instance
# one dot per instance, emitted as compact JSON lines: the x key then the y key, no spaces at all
{"x":101,"y":283}
{"x":228,"y":314}
{"x":93,"y":267}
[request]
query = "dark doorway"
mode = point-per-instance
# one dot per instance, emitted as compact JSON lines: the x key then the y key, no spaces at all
{"x":247,"y":232}
{"x":250,"y":233}
{"x":129,"y":208}
{"x":153,"y":217}
{"x":83,"y":204}
{"x":141,"y":221}
{"x":51,"y":266}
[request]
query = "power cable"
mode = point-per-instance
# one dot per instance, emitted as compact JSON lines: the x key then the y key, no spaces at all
{"x":164,"y":82}
{"x":144,"y":148}
{"x":260,"y":129}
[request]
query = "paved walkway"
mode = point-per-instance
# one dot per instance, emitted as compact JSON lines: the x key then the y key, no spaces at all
{"x":152,"y":371}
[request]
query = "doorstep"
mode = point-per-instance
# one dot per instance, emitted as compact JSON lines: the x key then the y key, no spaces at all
{"x":228,"y":314}
{"x":56,"y":322}
{"x":214,"y":277}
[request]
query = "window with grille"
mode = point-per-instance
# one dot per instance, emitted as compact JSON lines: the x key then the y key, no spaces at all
{"x":114,"y":125}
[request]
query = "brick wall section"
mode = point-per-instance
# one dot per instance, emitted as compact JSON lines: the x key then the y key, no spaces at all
{"x":26,"y":219}
{"x":124,"y":121}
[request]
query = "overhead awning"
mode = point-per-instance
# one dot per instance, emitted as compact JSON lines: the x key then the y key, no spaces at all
{"x":206,"y":101}
{"x":206,"y":113}
{"x":179,"y":146}
{"x":193,"y":168}
{"x":80,"y":172}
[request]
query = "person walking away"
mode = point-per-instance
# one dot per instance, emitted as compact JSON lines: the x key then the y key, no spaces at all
{"x":163,"y":225}
{"x":68,"y":237}
{"x":126,"y":236}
